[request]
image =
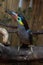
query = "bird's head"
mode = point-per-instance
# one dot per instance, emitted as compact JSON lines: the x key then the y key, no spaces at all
{"x":19,"y":18}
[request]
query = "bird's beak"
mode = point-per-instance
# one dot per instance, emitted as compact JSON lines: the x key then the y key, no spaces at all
{"x":14,"y":15}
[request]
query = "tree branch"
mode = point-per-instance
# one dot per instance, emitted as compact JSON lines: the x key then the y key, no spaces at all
{"x":10,"y":26}
{"x":12,"y":53}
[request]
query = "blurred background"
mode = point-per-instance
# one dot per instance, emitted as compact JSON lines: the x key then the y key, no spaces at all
{"x":33,"y":12}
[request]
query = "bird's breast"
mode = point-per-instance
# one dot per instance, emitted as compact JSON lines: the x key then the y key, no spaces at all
{"x":23,"y":34}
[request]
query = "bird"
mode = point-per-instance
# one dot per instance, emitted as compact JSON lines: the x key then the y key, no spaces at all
{"x":24,"y":31}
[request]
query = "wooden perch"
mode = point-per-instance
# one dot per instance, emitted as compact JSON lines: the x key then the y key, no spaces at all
{"x":12,"y":53}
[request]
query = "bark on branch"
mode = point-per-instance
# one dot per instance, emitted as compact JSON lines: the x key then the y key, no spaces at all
{"x":12,"y":53}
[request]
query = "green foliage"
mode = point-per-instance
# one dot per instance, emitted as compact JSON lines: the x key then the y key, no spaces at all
{"x":19,"y":10}
{"x":26,"y":0}
{"x":0,"y":4}
{"x":28,"y":17}
{"x":3,"y":0}
{"x":24,"y":11}
{"x":30,"y":9}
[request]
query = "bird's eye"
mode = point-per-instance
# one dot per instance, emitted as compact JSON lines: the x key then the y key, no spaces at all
{"x":19,"y":18}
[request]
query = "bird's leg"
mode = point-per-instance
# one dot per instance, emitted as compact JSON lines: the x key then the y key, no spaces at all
{"x":31,"y":48}
{"x":31,"y":42}
{"x":18,"y":46}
